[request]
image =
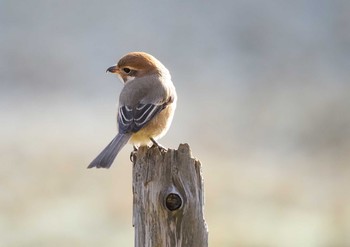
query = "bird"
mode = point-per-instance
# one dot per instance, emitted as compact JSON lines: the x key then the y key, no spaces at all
{"x":146,"y":108}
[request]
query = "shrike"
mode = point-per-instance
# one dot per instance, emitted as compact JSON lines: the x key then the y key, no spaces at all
{"x":146,"y":104}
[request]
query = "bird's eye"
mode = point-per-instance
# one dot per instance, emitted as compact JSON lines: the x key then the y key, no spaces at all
{"x":127,"y":70}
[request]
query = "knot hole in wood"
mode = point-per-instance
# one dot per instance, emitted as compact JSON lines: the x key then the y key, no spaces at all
{"x":173,"y":201}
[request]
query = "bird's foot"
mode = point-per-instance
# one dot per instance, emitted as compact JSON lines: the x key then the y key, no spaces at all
{"x":133,"y":154}
{"x":159,"y":146}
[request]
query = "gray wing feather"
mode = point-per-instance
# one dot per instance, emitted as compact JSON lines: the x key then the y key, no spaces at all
{"x":133,"y":119}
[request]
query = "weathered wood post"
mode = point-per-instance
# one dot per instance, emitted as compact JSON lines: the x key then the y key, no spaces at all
{"x":168,"y":199}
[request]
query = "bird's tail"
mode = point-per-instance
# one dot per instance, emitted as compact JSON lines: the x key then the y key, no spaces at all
{"x":107,"y":156}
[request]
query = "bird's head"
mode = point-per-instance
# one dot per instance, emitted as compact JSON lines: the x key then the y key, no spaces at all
{"x":138,"y":64}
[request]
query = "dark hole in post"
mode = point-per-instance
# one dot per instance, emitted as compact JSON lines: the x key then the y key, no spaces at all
{"x":173,"y":202}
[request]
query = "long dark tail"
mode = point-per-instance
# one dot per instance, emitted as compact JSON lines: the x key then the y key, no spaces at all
{"x":107,"y":156}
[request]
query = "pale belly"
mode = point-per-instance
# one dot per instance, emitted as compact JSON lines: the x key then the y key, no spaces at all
{"x":155,"y":129}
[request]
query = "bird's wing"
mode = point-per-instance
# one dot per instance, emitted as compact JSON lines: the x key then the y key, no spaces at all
{"x":132,"y":119}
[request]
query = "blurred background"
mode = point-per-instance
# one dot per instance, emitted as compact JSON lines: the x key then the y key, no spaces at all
{"x":263,"y":102}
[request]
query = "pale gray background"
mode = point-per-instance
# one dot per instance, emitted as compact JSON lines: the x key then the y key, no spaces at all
{"x":263,"y":101}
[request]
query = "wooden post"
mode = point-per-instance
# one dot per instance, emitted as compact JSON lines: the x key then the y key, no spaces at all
{"x":168,"y":199}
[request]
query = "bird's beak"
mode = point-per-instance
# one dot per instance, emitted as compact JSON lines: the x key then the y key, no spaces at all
{"x":113,"y":69}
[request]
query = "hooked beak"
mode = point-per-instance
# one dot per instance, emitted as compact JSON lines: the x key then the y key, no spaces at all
{"x":113,"y":69}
